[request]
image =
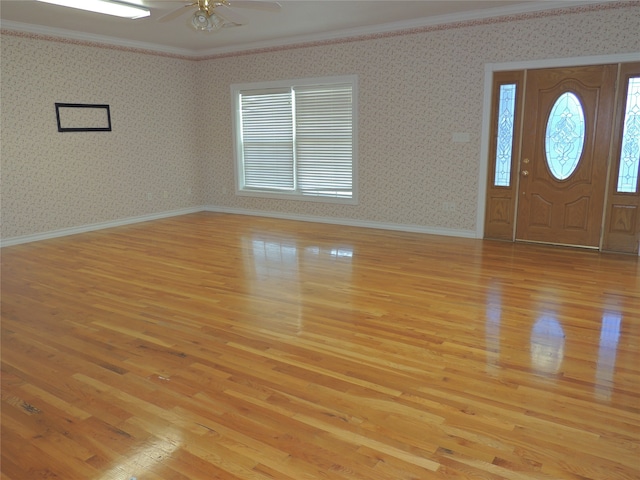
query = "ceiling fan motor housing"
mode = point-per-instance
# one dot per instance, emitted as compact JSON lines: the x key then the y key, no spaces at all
{"x":212,"y":15}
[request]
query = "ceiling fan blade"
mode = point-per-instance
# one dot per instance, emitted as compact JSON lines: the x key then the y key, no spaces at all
{"x":257,"y":4}
{"x":176,"y":13}
{"x":230,"y":15}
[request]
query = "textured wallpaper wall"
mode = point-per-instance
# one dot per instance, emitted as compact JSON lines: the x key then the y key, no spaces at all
{"x":147,"y":164}
{"x":415,"y":91}
{"x":171,"y":144}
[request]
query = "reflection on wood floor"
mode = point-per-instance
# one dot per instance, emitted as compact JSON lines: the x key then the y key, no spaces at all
{"x":217,"y":346}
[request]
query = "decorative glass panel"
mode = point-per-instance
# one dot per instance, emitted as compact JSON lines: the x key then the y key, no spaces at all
{"x":630,"y":151}
{"x":504,"y":142}
{"x":564,"y":139}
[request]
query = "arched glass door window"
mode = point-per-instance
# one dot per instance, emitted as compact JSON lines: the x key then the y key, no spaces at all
{"x":564,"y":140}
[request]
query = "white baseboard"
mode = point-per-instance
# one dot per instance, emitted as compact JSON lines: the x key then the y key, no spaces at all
{"x":95,"y":226}
{"x":448,"y":232}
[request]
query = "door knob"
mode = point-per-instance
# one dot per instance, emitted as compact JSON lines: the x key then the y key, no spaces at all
{"x":525,"y":172}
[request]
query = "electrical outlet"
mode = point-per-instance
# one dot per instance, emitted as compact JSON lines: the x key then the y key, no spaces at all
{"x":449,"y":207}
{"x":460,"y":137}
{"x":149,"y":196}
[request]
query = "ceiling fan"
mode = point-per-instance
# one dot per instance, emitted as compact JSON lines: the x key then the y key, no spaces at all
{"x":211,"y":15}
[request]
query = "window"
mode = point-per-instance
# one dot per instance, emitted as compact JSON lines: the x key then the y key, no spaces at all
{"x":296,"y":139}
{"x":504,"y":140}
{"x":630,"y":152}
{"x":564,"y":139}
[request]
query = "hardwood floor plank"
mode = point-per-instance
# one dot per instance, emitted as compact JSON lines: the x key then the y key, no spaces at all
{"x":231,"y":347}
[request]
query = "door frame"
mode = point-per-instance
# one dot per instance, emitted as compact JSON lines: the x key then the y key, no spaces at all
{"x":489,"y":70}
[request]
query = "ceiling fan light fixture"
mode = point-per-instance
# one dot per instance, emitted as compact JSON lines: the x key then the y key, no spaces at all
{"x":216,"y":21}
{"x":108,"y":7}
{"x":200,"y":20}
{"x":203,"y":22}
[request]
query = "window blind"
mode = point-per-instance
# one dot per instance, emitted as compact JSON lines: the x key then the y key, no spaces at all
{"x":324,"y":152}
{"x":298,"y":140}
{"x":267,"y":140}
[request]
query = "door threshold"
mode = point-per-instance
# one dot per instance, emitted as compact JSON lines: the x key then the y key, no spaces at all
{"x":554,"y":244}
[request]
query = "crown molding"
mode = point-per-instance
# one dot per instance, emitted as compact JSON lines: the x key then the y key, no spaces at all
{"x":507,"y":13}
{"x":89,"y":39}
{"x":497,"y":14}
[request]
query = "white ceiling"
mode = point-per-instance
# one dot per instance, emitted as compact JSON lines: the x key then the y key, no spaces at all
{"x":297,"y":22}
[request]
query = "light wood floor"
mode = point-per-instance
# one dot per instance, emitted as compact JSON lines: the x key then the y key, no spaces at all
{"x":214,"y":346}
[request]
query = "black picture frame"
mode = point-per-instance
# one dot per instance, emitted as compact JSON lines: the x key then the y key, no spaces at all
{"x":65,"y":122}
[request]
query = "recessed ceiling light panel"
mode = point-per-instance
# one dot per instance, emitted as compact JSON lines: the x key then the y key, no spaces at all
{"x":108,"y":7}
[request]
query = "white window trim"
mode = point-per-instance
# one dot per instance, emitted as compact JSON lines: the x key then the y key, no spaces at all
{"x":237,"y":88}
